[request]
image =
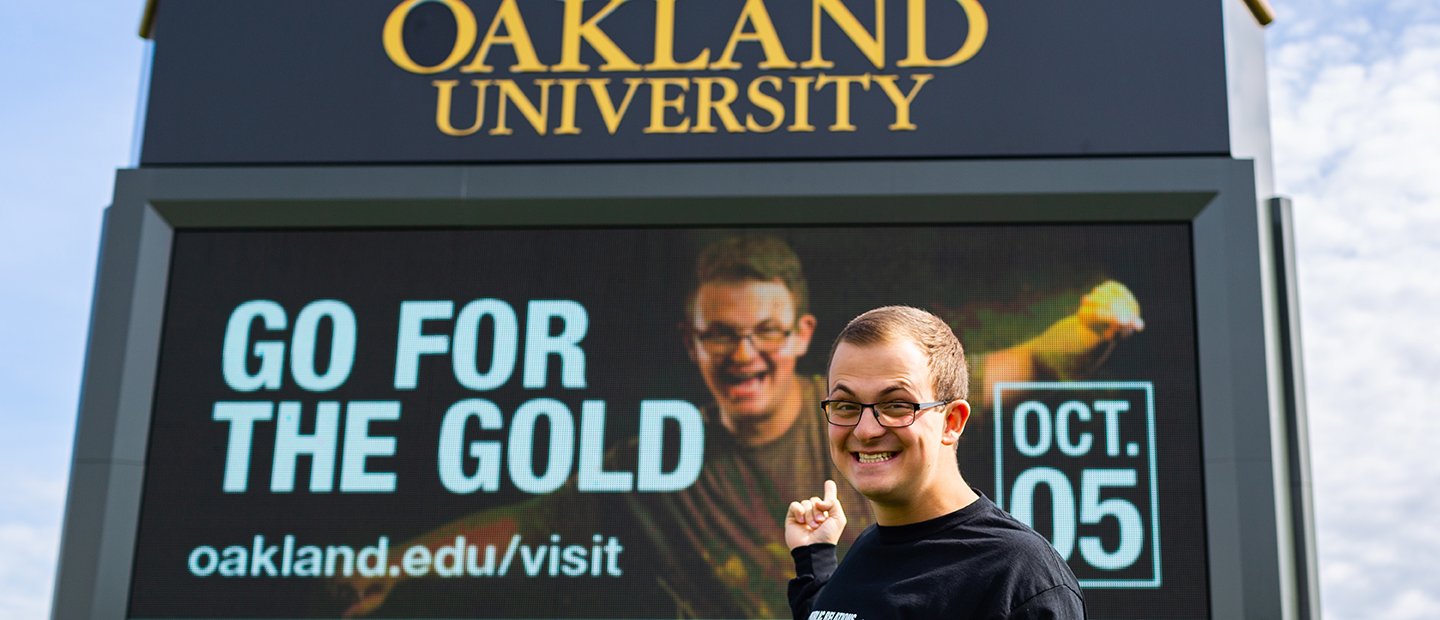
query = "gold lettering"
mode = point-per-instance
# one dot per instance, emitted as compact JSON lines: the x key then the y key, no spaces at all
{"x":659,"y":104}
{"x":393,"y":36}
{"x":600,"y":87}
{"x":842,"y":96}
{"x":539,"y":118}
{"x":767,"y":103}
{"x":707,"y":106}
{"x":902,"y":101}
{"x":974,"y":39}
{"x":802,"y":103}
{"x":870,"y":44}
{"x":577,"y":28}
{"x":517,"y":36}
{"x":444,"y":90}
{"x":764,"y":33}
{"x":665,"y":42}
{"x":568,"y":88}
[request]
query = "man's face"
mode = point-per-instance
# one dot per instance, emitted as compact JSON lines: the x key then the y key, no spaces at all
{"x":748,"y":374}
{"x":898,"y":467}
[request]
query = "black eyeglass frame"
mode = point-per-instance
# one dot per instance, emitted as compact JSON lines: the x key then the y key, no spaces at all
{"x":730,"y":339}
{"x":875,"y":409}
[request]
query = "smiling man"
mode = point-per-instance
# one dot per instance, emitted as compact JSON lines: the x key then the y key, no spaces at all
{"x":748,"y":331}
{"x":939,"y":549}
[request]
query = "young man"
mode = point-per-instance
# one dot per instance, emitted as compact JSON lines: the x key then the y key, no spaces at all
{"x":939,"y":549}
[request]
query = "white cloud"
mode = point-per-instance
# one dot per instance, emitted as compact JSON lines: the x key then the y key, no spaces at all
{"x":1355,"y":95}
{"x":1413,"y":603}
{"x":29,"y":540}
{"x":27,"y":569}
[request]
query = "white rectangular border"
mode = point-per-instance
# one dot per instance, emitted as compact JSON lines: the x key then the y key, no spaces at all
{"x":1149,"y":389}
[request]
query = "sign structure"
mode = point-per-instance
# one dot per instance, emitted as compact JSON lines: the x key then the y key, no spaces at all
{"x":648,"y":80}
{"x":470,"y":308}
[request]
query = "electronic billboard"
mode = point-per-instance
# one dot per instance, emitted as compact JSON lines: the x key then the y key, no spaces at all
{"x":522,"y":422}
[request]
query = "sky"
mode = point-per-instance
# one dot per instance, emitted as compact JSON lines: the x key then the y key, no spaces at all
{"x":1355,"y":112}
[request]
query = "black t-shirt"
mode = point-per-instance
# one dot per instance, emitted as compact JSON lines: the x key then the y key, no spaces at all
{"x":977,"y":562}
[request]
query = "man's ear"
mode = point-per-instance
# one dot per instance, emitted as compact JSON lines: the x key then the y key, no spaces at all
{"x":804,"y":329}
{"x":957,"y":413}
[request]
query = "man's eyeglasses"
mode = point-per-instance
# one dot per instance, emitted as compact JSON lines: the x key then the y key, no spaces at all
{"x":892,"y":414}
{"x":723,"y":341}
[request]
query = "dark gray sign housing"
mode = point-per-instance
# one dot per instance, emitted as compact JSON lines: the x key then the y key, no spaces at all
{"x":378,"y":81}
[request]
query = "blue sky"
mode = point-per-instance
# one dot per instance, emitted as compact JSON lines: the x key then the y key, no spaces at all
{"x":1355,"y":106}
{"x":66,"y":116}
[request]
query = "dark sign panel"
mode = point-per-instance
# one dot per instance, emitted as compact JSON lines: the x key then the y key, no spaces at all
{"x":569,"y":423}
{"x":388,"y":81}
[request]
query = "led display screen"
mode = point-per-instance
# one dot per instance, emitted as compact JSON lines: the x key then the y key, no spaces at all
{"x":610,"y":422}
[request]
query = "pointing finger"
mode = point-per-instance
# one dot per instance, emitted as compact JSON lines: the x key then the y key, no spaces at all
{"x":830,"y":492}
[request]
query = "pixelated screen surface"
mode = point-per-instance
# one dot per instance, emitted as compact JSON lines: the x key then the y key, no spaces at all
{"x":610,"y":422}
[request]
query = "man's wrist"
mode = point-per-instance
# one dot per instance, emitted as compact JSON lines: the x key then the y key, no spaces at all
{"x":816,"y":559}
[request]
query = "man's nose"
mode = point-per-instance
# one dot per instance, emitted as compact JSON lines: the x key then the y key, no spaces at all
{"x":745,"y":349}
{"x":869,"y":426}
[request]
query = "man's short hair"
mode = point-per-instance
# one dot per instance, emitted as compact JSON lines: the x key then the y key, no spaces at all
{"x":949,"y":373}
{"x":751,"y":257}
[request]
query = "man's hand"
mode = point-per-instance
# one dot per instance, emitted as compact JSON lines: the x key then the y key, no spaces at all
{"x":815,"y":520}
{"x":1110,"y":311}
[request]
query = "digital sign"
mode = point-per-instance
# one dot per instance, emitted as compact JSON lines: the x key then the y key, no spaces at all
{"x":520,"y":422}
